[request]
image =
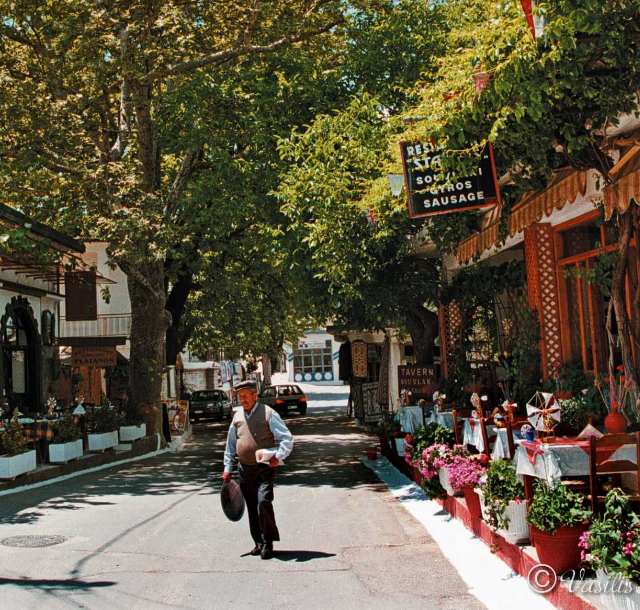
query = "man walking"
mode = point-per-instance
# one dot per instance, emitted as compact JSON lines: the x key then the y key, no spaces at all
{"x":257,"y":426}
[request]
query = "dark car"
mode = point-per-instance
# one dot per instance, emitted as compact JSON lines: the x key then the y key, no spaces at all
{"x":209,"y":404}
{"x":285,"y":398}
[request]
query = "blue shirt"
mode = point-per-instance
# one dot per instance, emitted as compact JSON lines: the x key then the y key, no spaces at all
{"x":279,"y":430}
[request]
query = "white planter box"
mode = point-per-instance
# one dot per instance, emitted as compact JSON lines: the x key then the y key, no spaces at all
{"x":132,"y":433}
{"x":100,"y":442}
{"x":616,"y":592}
{"x":65,"y":452}
{"x":443,"y":476}
{"x":15,"y":465}
{"x":518,"y":531}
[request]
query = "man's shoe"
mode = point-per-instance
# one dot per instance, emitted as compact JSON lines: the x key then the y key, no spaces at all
{"x":267,"y":551}
{"x":256,"y":550}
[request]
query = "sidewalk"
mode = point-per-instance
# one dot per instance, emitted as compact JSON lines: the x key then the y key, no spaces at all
{"x":503,"y":565}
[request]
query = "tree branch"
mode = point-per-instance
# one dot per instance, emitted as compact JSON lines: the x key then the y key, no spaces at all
{"x":180,"y":182}
{"x":233,"y":52}
{"x":126,"y":106}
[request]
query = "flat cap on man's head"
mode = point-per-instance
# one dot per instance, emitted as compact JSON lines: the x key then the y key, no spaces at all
{"x":247,"y":385}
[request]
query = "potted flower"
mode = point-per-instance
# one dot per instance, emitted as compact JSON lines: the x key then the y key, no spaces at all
{"x":67,"y":440}
{"x":15,"y":458}
{"x":465,"y":472}
{"x":436,"y":458}
{"x":501,"y":499}
{"x":423,"y":437}
{"x":612,"y":548}
{"x":132,"y":426}
{"x":103,"y":423}
{"x":430,"y":480}
{"x":559,"y":518}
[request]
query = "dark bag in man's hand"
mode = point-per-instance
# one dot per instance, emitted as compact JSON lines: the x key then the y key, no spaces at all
{"x":232,"y":501}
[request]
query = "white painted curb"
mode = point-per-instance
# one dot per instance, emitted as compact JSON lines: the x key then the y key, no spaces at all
{"x":7,"y":492}
{"x":490,"y":579}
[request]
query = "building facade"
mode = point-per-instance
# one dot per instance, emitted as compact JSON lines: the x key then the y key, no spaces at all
{"x":313,"y":359}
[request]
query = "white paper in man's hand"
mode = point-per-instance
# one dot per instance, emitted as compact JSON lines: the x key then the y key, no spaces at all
{"x":264,"y":455}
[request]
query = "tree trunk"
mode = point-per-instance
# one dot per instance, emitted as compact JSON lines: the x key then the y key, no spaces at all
{"x":422,"y":325}
{"x":178,"y":332}
{"x":625,"y":230}
{"x":266,"y":369}
{"x":149,"y":323}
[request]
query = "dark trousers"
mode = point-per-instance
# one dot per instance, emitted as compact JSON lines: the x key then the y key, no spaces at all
{"x":256,"y":483}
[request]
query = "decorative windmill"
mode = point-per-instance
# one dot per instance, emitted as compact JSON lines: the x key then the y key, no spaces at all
{"x":543,"y":412}
{"x":477,"y":404}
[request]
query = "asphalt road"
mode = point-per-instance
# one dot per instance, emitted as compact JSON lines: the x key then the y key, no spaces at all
{"x":151,"y":534}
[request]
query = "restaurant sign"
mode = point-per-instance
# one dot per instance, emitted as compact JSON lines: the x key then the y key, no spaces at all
{"x":102,"y":356}
{"x":417,"y":379}
{"x":431,"y":191}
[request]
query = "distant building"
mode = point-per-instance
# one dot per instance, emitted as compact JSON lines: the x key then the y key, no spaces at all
{"x":313,"y":359}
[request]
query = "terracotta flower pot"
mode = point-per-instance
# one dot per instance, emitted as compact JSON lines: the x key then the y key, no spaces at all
{"x":417,"y":475}
{"x":559,"y":550}
{"x":473,"y":502}
{"x":372,"y":453}
{"x":615,"y":422}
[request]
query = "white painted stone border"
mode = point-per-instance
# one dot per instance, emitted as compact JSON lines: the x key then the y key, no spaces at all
{"x":489,"y":579}
{"x":7,"y":492}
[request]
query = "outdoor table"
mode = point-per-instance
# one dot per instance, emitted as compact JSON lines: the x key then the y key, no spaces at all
{"x":39,"y":432}
{"x":501,"y":445}
{"x":410,"y":418}
{"x":442,"y":418}
{"x":563,"y":458}
{"x":472,"y":433}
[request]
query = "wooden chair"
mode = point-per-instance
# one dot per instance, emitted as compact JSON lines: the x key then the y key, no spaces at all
{"x":604,"y":448}
{"x":486,"y":439}
{"x":511,"y":425}
{"x":459,"y":413}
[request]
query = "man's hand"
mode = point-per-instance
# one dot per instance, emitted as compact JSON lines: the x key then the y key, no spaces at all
{"x":274,"y":462}
{"x":226,"y":477}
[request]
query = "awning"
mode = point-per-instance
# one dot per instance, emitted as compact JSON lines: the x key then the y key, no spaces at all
{"x":618,"y":196}
{"x":565,"y":188}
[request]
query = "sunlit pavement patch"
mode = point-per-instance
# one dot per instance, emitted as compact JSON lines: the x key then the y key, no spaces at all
{"x":489,"y":579}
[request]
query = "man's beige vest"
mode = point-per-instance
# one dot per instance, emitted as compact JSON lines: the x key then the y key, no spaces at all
{"x":253,"y":433}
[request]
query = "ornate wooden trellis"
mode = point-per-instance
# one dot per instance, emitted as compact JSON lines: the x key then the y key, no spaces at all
{"x":450,"y":333}
{"x":543,"y":292}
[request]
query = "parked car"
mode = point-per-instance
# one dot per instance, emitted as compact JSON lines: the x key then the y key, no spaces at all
{"x":284,"y":398}
{"x":209,"y":404}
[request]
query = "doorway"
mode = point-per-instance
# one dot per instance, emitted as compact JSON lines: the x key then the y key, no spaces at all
{"x":22,"y":353}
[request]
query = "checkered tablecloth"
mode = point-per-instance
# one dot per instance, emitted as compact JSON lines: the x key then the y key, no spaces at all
{"x":40,"y":430}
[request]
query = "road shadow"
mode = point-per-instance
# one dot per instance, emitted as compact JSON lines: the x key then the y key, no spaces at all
{"x":300,"y":556}
{"x":327,"y":452}
{"x":53,"y":584}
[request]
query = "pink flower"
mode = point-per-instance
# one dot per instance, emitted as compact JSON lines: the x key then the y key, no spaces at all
{"x":584,"y":541}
